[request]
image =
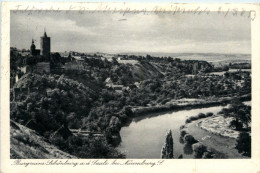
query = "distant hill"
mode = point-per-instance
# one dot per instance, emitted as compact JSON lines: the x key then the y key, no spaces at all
{"x":210,"y":57}
{"x":27,"y":144}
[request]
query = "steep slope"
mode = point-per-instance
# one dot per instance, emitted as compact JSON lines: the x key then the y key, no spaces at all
{"x":145,"y":70}
{"x":27,"y":144}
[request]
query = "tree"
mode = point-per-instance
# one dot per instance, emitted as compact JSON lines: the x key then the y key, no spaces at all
{"x":167,"y":150}
{"x":241,"y":114}
{"x":199,"y":149}
{"x":236,"y":124}
{"x":244,"y":144}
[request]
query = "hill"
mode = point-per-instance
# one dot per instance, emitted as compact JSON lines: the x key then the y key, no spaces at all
{"x":27,"y":144}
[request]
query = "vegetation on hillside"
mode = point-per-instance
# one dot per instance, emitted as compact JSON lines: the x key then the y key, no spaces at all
{"x":54,"y":103}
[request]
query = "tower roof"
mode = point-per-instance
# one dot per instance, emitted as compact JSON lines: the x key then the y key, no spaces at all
{"x":45,"y":35}
{"x":32,"y":45}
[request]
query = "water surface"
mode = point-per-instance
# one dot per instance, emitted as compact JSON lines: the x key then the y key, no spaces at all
{"x":145,"y":135}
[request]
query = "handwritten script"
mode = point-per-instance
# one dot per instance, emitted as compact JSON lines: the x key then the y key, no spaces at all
{"x":96,"y":162}
{"x":172,"y":9}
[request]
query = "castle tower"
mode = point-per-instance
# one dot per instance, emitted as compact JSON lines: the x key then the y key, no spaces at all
{"x":45,"y":46}
{"x":32,"y":50}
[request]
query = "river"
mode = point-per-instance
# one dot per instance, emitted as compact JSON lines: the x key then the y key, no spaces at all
{"x":145,"y":135}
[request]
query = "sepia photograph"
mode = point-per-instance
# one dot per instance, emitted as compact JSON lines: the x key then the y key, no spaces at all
{"x":134,"y":86}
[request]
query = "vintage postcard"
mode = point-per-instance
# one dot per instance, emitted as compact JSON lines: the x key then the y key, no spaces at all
{"x":130,"y":87}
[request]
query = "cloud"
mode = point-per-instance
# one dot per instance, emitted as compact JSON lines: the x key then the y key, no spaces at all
{"x":107,"y":32}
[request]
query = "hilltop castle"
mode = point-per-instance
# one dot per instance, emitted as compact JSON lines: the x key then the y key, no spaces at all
{"x":45,"y":50}
{"x":39,"y":59}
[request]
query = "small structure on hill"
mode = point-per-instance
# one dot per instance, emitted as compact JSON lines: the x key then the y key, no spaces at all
{"x":117,"y":88}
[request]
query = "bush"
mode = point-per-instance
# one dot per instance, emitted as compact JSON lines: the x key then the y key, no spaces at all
{"x":244,"y":144}
{"x":183,"y":133}
{"x":193,"y":118}
{"x":189,"y":139}
{"x":208,"y":155}
{"x":201,"y":115}
{"x":123,"y":117}
{"x":199,"y":149}
{"x":128,"y":111}
{"x":236,"y":124}
{"x":187,"y":149}
{"x":187,"y":121}
{"x":209,"y":114}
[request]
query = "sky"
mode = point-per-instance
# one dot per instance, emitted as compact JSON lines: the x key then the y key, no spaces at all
{"x":115,"y":33}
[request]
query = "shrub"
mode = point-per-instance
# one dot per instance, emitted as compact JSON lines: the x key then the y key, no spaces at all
{"x":123,"y":117}
{"x":193,"y":118}
{"x":187,"y":149}
{"x":128,"y":111}
{"x":199,"y":149}
{"x":208,"y":155}
{"x":244,"y":144}
{"x":209,"y":114}
{"x":236,"y":124}
{"x":201,"y":115}
{"x":187,"y":121}
{"x":189,"y":139}
{"x":183,"y":133}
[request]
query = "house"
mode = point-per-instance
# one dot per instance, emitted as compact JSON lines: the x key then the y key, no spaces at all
{"x":117,"y":88}
{"x":78,"y":58}
{"x":137,"y":84}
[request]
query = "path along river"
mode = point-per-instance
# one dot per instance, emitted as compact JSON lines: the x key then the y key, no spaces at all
{"x":145,"y":135}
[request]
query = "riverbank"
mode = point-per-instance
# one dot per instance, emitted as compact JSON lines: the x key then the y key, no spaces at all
{"x":150,"y":124}
{"x":224,"y":146}
{"x":214,"y":132}
{"x":148,"y":132}
{"x":186,"y":104}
